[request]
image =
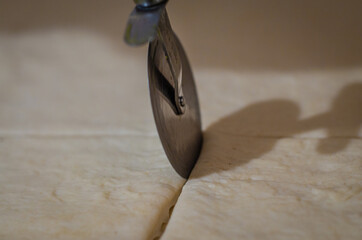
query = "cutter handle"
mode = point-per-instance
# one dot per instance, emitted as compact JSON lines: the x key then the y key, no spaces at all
{"x":143,"y":22}
{"x":148,"y":3}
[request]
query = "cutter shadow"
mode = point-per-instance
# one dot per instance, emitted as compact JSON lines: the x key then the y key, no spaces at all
{"x":236,"y":139}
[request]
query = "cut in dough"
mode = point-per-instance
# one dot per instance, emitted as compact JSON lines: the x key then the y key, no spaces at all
{"x":282,"y":154}
{"x":284,"y":166}
{"x":79,"y":153}
{"x":84,"y":187}
{"x":266,"y":188}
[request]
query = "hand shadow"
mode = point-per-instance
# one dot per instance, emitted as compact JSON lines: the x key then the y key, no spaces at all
{"x":233,"y":140}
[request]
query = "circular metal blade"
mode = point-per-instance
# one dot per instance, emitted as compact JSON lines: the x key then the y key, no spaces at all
{"x":181,"y":135}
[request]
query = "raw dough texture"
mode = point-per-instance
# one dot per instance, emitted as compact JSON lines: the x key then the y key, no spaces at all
{"x":265,"y":188}
{"x":84,"y":187}
{"x":281,"y":99}
{"x":280,"y":88}
{"x":79,"y":153}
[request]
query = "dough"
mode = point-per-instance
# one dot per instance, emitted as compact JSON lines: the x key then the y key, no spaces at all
{"x":281,"y":97}
{"x":286,"y":165}
{"x":80,"y":157}
{"x":84,"y":187}
{"x":260,"y":188}
{"x":79,"y":153}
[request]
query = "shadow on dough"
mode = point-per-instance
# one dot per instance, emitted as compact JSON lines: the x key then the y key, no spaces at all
{"x":233,"y":140}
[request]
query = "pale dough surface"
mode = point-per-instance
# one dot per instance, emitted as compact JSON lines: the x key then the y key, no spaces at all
{"x":84,"y":187}
{"x":79,"y":153}
{"x":286,"y":165}
{"x":260,"y":188}
{"x":281,"y":108}
{"x":281,"y":100}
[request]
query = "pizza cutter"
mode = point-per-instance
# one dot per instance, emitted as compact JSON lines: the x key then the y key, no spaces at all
{"x":172,"y":88}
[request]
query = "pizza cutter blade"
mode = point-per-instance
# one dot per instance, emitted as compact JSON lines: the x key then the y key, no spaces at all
{"x":172,"y":88}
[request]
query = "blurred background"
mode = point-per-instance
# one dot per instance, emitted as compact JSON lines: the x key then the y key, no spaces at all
{"x":57,"y":57}
{"x":239,"y":35}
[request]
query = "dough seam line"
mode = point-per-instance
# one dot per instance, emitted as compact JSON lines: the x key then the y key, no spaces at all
{"x":101,"y":135}
{"x":165,"y":214}
{"x":76,"y":135}
{"x":177,"y":196}
{"x":162,"y":224}
{"x":289,"y":137}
